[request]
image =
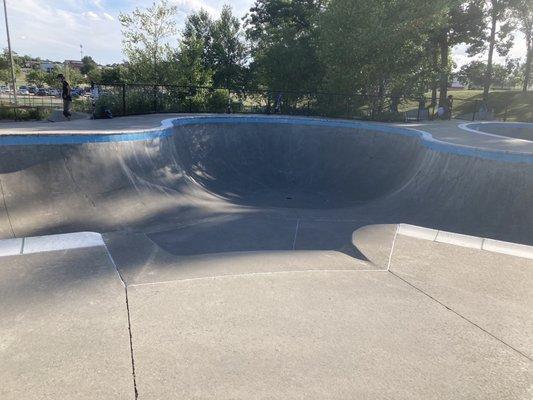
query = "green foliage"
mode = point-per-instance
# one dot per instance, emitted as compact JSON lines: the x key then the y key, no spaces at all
{"x":73,"y":76}
{"x":23,"y":114}
{"x":5,"y":68}
{"x":391,"y":60}
{"x":88,"y":65}
{"x":503,"y":76}
{"x":115,"y":74}
{"x":145,"y":35}
{"x":523,"y":14}
{"x":284,"y":40}
{"x":37,"y":77}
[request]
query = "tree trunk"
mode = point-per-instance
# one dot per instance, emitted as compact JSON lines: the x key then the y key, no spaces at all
{"x":529,"y":60}
{"x":435,"y":83}
{"x":488,"y":76}
{"x":443,"y":80}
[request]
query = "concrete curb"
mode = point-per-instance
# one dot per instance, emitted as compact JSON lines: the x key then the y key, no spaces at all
{"x":166,"y":129}
{"x":472,"y":242}
{"x":41,"y":244}
{"x":467,"y":127}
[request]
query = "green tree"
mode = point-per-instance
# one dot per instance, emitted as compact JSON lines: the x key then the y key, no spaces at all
{"x":226,"y":52}
{"x":499,"y":36}
{"x":190,"y":62}
{"x":5,"y":68}
{"x":284,"y":43}
{"x":472,"y":74}
{"x":88,"y":65}
{"x":457,"y":22}
{"x":37,"y":77}
{"x":392,"y":59}
{"x":145,"y":35}
{"x":523,"y":13}
{"x":113,"y":74}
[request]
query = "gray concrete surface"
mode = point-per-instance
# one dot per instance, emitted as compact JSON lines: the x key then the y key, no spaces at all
{"x":319,"y":335}
{"x":63,"y":327}
{"x":492,"y":290}
{"x":244,"y":277}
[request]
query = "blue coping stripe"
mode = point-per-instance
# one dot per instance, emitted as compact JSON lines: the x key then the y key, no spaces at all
{"x":166,"y":130}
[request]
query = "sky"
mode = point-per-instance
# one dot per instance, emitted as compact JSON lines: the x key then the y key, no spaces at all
{"x":54,"y":29}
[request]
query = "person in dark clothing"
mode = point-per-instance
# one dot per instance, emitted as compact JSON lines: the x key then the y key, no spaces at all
{"x":66,"y":94}
{"x":449,"y":107}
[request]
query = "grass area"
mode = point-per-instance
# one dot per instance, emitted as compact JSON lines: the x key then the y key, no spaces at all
{"x":511,"y":105}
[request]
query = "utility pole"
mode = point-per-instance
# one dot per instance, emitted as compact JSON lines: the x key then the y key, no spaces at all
{"x":13,"y":78}
{"x":81,"y":52}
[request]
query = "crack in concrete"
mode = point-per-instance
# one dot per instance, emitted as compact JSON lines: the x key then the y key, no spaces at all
{"x":7,"y":211}
{"x":136,"y":392}
{"x":461,"y":316}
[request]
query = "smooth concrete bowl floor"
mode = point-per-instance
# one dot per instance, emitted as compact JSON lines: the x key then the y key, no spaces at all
{"x":232,"y":240}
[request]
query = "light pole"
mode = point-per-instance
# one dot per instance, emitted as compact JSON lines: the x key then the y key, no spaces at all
{"x":14,"y":80}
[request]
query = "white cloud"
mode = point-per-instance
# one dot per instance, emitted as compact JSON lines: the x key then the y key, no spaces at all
{"x":57,"y":33}
{"x":39,"y":28}
{"x":98,"y":4}
{"x":91,"y":15}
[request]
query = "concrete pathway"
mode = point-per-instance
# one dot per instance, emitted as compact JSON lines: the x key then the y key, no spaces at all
{"x":437,"y":321}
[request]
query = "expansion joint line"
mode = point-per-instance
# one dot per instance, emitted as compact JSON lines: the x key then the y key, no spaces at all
{"x":461,"y":316}
{"x":7,"y":211}
{"x":136,"y":392}
{"x":296,"y":234}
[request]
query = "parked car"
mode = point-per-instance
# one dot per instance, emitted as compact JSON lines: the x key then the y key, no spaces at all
{"x":54,"y":92}
{"x":23,"y":90}
{"x":4,"y":89}
{"x":41,"y":92}
{"x":32,"y":89}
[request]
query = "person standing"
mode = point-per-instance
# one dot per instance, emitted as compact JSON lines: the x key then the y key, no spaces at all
{"x":449,"y":106}
{"x":66,"y":95}
{"x":95,"y":95}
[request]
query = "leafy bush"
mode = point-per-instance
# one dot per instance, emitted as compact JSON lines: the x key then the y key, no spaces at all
{"x":24,"y":114}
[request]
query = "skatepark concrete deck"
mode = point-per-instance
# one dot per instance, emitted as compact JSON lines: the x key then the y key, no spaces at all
{"x":255,"y":257}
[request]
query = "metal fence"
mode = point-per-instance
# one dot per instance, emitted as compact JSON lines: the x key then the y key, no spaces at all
{"x":133,"y":99}
{"x":30,"y":106}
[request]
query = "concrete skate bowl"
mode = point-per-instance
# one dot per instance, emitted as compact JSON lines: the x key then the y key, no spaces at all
{"x":251,"y":179}
{"x":517,"y":130}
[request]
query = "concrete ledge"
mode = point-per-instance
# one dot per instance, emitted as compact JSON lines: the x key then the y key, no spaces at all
{"x":513,"y":249}
{"x":457,"y":239}
{"x":417,"y":232}
{"x":473,"y":242}
{"x":40,"y":244}
{"x":10,"y":247}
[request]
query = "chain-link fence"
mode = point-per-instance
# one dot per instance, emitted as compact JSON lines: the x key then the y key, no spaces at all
{"x":30,"y":106}
{"x":133,"y":99}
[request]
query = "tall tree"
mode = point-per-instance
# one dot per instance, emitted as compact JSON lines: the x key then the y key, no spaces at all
{"x":499,"y":36}
{"x":190,"y":63}
{"x":227,"y":53}
{"x":284,"y":41}
{"x":219,"y":44}
{"x":392,"y":59}
{"x":459,"y":21}
{"x":523,"y":13}
{"x":88,"y":65}
{"x":145,"y":36}
{"x":37,"y":77}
